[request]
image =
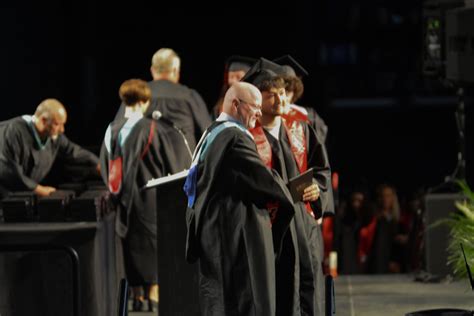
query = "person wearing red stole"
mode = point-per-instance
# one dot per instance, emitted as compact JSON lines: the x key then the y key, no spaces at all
{"x":291,"y":146}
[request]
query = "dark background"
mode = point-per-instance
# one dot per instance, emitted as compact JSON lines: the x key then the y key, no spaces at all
{"x":387,"y":122}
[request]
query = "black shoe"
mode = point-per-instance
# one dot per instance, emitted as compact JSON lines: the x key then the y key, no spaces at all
{"x":137,"y":305}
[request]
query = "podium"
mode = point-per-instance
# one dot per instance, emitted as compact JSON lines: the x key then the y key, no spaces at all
{"x":60,"y":268}
{"x":178,"y":280}
{"x":438,"y":207}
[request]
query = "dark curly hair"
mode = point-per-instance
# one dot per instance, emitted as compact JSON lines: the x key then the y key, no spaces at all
{"x":275,"y":82}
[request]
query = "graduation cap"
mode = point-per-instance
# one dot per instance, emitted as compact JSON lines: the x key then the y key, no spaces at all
{"x":291,"y":66}
{"x":263,"y":70}
{"x":236,"y":63}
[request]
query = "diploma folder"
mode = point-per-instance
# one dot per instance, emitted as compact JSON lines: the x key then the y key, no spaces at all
{"x":153,"y":183}
{"x":297,"y":184}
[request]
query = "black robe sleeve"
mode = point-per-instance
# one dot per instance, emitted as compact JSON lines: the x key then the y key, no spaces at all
{"x":12,"y":173}
{"x":235,"y":163}
{"x":319,"y":161}
{"x":259,"y":183}
{"x":104,"y":164}
{"x":73,"y":153}
{"x":318,"y":124}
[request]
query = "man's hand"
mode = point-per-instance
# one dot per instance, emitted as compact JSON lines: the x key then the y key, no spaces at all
{"x":42,"y":190}
{"x":311,"y":193}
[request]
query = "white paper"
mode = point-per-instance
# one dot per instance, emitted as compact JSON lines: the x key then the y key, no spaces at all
{"x":155,"y":182}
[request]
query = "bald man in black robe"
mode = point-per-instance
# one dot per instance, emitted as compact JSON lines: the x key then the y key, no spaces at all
{"x":29,"y":145}
{"x":238,"y":212}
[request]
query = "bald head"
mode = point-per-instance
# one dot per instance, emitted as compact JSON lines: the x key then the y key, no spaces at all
{"x":50,"y":107}
{"x":243,"y":102}
{"x":50,"y":117}
{"x":240,"y":90}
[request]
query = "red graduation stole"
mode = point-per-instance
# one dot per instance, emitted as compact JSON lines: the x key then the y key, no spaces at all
{"x":294,"y":114}
{"x":293,"y":123}
{"x":264,"y":148}
{"x":295,"y":131}
{"x":115,"y":175}
{"x":116,"y":162}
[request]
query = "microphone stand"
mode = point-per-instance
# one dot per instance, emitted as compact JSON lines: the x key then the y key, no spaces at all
{"x":459,"y":173}
{"x":460,"y":170}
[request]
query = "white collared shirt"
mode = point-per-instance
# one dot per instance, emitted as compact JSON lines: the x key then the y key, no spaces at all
{"x":275,"y":130}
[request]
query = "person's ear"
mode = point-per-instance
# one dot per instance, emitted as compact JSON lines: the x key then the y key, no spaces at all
{"x":175,"y":72}
{"x":235,"y":103}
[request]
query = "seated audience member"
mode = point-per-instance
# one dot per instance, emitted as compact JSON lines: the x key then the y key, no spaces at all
{"x":383,"y":257}
{"x":349,"y":219}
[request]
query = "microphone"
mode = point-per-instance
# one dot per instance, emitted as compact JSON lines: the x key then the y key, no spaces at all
{"x":157,"y":115}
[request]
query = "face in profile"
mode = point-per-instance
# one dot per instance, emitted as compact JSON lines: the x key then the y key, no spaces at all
{"x":274,"y":102}
{"x":249,"y":111}
{"x":55,"y":125}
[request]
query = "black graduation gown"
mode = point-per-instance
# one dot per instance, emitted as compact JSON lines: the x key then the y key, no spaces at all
{"x":137,"y":209}
{"x":318,"y":124}
{"x":23,"y":164}
{"x":288,"y":265}
{"x":229,"y":227}
{"x":321,"y":129}
{"x":179,"y":104}
{"x":309,"y":235}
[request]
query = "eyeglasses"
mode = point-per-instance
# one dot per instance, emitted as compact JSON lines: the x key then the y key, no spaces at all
{"x":254,"y":107}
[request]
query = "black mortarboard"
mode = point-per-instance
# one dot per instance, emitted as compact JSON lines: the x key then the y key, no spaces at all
{"x":236,"y":63}
{"x":262,"y":70}
{"x":291,"y":66}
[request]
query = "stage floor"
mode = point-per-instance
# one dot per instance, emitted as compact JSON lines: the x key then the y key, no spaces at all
{"x":396,"y":294}
{"x":367,"y":295}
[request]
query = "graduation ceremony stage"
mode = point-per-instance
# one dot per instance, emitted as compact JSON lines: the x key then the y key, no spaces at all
{"x":392,"y":295}
{"x":397,"y":295}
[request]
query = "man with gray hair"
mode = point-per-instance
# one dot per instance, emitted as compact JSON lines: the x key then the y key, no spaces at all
{"x":238,"y":212}
{"x":183,"y":106}
{"x":29,"y":145}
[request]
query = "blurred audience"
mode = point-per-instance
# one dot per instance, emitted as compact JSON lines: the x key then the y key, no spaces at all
{"x":379,"y":237}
